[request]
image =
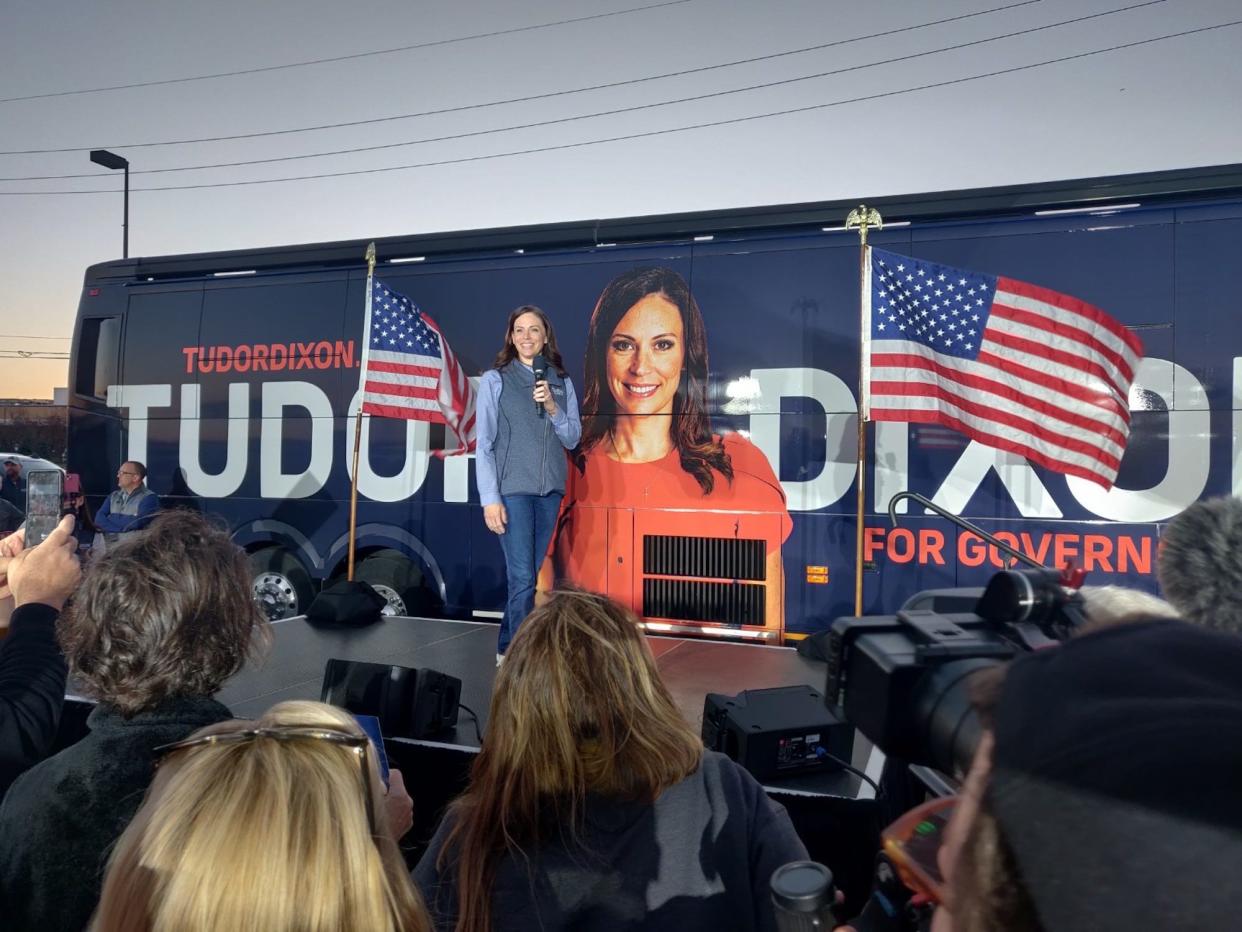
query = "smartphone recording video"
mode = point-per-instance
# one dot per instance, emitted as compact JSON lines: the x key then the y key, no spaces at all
{"x":44,"y":489}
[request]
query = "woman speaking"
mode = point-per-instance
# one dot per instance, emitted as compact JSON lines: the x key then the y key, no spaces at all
{"x":648,"y":452}
{"x":527,"y":417}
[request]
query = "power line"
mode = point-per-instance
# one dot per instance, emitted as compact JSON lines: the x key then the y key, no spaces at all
{"x":660,"y":132}
{"x":531,"y":97}
{"x":31,"y":354}
{"x":339,"y":58}
{"x":29,"y":336}
{"x":600,"y":113}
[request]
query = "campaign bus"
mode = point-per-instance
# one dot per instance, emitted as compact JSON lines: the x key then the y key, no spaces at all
{"x":234,"y":376}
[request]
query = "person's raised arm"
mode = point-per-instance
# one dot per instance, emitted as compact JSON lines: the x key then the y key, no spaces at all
{"x":32,"y":668}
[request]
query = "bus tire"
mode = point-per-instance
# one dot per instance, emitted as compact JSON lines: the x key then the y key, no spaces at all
{"x":280,"y":583}
{"x":400,"y":581}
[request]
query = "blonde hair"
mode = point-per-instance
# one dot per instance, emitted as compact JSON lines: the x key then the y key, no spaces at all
{"x":261,"y":835}
{"x":578,"y":708}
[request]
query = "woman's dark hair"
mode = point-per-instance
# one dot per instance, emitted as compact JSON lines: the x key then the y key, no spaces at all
{"x":165,"y":613}
{"x":690,"y":427}
{"x":81,"y":512}
{"x":551,"y":352}
{"x":579,"y":709}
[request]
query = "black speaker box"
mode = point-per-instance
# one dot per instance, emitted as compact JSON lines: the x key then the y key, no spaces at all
{"x":409,"y":703}
{"x":777,"y":732}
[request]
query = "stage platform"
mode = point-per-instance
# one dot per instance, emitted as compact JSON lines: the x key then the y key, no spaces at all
{"x":293,"y":669}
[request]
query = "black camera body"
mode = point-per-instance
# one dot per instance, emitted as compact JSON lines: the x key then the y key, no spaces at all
{"x":902,"y":679}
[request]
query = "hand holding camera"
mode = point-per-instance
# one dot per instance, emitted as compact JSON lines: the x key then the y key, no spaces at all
{"x":47,"y":573}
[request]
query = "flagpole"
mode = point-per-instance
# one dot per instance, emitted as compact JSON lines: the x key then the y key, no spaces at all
{"x":353,"y":484}
{"x":862,"y":217}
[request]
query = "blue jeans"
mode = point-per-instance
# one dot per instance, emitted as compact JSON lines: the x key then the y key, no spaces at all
{"x":532,"y":518}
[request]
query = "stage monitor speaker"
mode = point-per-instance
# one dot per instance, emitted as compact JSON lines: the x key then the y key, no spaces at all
{"x":777,"y":732}
{"x":409,"y":703}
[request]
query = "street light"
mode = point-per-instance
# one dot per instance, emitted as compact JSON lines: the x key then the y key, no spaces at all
{"x":112,"y":160}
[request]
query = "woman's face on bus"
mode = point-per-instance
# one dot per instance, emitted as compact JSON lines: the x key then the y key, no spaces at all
{"x":645,"y":356}
{"x":528,"y":336}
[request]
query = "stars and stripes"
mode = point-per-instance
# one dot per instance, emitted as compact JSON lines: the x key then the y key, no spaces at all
{"x":1015,"y":366}
{"x":410,"y":372}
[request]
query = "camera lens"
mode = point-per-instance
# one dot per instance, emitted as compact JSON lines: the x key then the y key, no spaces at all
{"x":1019,"y":595}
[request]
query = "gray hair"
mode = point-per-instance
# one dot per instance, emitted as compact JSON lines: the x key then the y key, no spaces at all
{"x":1200,"y":563}
{"x":1117,"y":605}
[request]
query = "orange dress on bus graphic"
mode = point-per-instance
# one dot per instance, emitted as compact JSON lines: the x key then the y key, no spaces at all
{"x":660,"y":513}
{"x":649,"y":536}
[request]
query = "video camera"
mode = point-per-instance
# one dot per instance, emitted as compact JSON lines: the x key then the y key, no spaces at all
{"x":902,"y":679}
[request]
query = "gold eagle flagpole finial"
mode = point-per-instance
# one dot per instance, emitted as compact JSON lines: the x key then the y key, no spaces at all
{"x":863,"y":218}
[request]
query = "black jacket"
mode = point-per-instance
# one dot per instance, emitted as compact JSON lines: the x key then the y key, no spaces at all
{"x":32,"y":690}
{"x":11,"y":517}
{"x":13,"y":492}
{"x":60,"y":819}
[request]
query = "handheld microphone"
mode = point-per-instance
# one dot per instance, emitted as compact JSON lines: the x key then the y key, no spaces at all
{"x":540,"y":365}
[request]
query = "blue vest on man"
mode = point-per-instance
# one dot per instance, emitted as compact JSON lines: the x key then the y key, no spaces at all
{"x":123,"y":510}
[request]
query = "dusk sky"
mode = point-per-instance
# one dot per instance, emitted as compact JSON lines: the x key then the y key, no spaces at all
{"x":1165,"y":104}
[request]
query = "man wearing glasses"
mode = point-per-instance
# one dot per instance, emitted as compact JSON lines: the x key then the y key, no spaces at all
{"x":131,"y":506}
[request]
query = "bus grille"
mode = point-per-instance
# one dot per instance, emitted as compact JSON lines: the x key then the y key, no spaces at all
{"x":720,"y":602}
{"x":704,"y":557}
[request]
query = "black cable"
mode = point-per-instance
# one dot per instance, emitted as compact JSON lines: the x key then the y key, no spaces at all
{"x":29,"y":336}
{"x":474,"y":715}
{"x":338,"y":58}
{"x":530,"y":97}
{"x":879,"y":792}
{"x":600,"y":113}
{"x":650,"y":133}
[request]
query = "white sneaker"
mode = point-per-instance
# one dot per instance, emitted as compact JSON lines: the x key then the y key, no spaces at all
{"x":500,"y":658}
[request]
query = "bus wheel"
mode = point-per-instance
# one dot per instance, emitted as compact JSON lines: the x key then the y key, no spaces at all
{"x":399,"y":581}
{"x":281,"y":586}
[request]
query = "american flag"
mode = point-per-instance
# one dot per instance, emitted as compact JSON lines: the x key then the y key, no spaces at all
{"x":1015,"y":366}
{"x":410,"y":372}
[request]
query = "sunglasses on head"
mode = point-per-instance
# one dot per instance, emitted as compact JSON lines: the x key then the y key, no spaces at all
{"x":357,"y":743}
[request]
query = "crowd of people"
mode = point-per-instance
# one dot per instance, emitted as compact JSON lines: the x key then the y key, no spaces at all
{"x":1104,"y":793}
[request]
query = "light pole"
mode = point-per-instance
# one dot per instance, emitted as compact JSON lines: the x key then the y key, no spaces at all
{"x":112,"y":160}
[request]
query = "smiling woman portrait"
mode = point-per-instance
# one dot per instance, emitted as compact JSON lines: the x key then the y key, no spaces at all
{"x":648,"y":450}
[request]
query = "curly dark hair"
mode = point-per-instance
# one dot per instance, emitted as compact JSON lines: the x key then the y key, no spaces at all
{"x":165,"y":613}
